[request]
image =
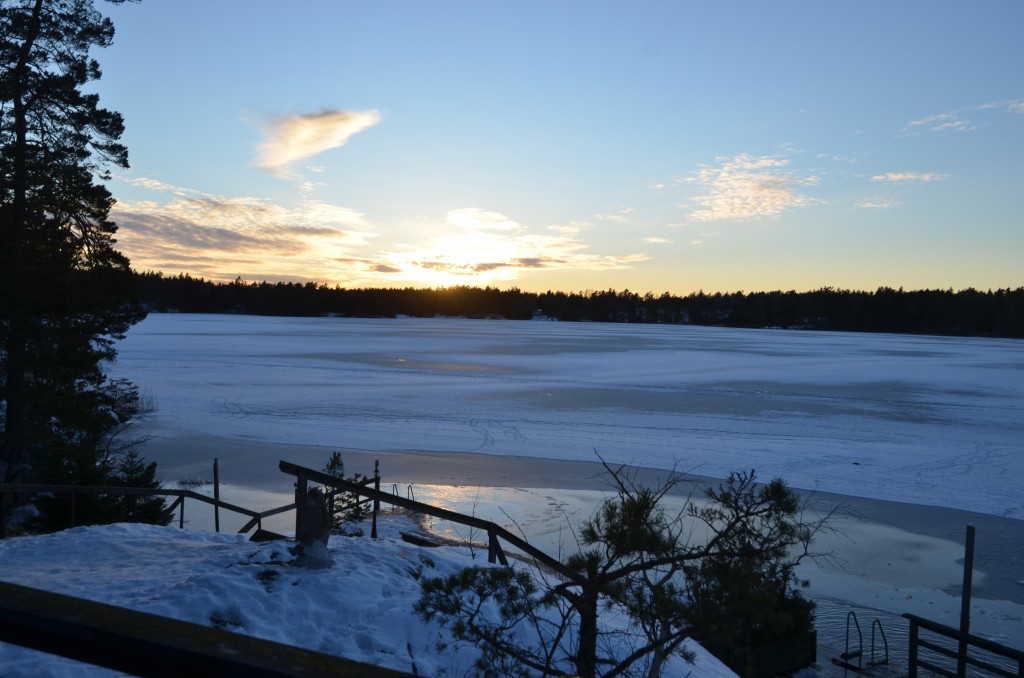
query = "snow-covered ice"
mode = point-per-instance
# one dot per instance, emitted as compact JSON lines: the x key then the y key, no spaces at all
{"x":928,"y":420}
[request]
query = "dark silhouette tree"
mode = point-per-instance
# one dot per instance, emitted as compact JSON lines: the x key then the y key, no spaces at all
{"x":67,"y":293}
{"x":733,"y":590}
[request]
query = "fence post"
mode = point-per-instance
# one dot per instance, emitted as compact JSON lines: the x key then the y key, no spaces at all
{"x":494,"y":552}
{"x":912,"y":652}
{"x":216,"y":496}
{"x":301,"y":486}
{"x":376,"y":501}
{"x":965,"y":604}
{"x":181,"y":513}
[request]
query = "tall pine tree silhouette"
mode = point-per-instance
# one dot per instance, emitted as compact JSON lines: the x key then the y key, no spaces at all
{"x":67,"y":293}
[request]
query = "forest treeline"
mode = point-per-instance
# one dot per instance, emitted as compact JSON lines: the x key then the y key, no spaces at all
{"x":969,"y":312}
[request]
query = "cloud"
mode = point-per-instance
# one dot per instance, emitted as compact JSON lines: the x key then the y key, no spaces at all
{"x":655,"y":240}
{"x":908,"y":177}
{"x":958,"y":120}
{"x":746,"y":187}
{"x":943,"y":122}
{"x":291,"y":138}
{"x":619,"y":217}
{"x":877,"y":204}
{"x":220,"y":237}
{"x":482,"y":246}
{"x":473,"y":219}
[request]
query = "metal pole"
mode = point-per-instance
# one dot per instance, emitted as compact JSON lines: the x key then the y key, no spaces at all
{"x":965,"y":604}
{"x":216,"y":496}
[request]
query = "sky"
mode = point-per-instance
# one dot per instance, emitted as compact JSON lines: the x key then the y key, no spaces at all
{"x":655,"y":146}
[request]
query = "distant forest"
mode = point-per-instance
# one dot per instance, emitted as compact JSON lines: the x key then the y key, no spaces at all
{"x":998,"y":313}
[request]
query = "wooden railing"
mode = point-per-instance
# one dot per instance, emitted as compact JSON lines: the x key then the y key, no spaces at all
{"x":495,"y":533}
{"x":960,"y":657}
{"x":255,"y":517}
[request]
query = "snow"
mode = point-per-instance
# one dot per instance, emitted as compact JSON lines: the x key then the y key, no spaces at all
{"x":927,"y":420}
{"x":360,"y":608}
{"x":935,"y":421}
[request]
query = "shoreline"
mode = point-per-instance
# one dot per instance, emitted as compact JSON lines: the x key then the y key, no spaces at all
{"x":254,"y":464}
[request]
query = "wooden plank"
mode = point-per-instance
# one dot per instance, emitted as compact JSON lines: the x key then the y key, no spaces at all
{"x":148,"y":645}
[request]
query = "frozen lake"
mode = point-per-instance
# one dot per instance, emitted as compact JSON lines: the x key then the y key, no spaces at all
{"x":929,"y":420}
{"x":918,"y":420}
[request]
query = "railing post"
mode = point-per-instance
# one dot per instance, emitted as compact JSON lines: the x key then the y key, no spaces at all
{"x":216,"y":496}
{"x":181,"y":513}
{"x":301,"y":486}
{"x":965,"y":605}
{"x":494,"y":552}
{"x":376,"y":501}
{"x":912,"y":651}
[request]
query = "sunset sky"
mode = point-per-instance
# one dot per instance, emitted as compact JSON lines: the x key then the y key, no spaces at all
{"x":655,"y":146}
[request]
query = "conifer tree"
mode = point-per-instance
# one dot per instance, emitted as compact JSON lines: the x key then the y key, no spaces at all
{"x":67,"y":293}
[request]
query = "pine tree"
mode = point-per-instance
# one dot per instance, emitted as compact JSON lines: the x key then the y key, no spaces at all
{"x":67,"y":293}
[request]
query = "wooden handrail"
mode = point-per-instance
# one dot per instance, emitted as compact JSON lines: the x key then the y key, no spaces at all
{"x":493,"y":530}
{"x":955,"y":634}
{"x":255,"y":516}
{"x":977,"y":641}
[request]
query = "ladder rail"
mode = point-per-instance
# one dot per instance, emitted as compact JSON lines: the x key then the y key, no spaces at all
{"x":848,"y":655}
{"x":885,"y":643}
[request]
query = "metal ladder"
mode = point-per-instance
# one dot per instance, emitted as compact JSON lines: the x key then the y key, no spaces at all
{"x":845,"y":659}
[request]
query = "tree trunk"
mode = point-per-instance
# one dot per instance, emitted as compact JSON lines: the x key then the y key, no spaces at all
{"x":586,"y":658}
{"x":12,"y":444}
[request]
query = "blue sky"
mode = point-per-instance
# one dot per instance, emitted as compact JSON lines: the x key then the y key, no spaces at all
{"x":653,"y":146}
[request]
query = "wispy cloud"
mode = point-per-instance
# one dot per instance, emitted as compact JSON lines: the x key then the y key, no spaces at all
{"x":620,"y":216}
{"x":908,"y":177}
{"x":877,"y":204}
{"x":220,"y":237}
{"x":473,"y":219}
{"x":961,"y":119}
{"x":223,"y":237}
{"x":483,"y":246}
{"x":747,"y":187}
{"x":291,"y":138}
{"x":943,"y":122}
{"x":656,"y":240}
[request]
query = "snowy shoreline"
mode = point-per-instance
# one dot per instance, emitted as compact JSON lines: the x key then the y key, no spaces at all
{"x":253,"y":465}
